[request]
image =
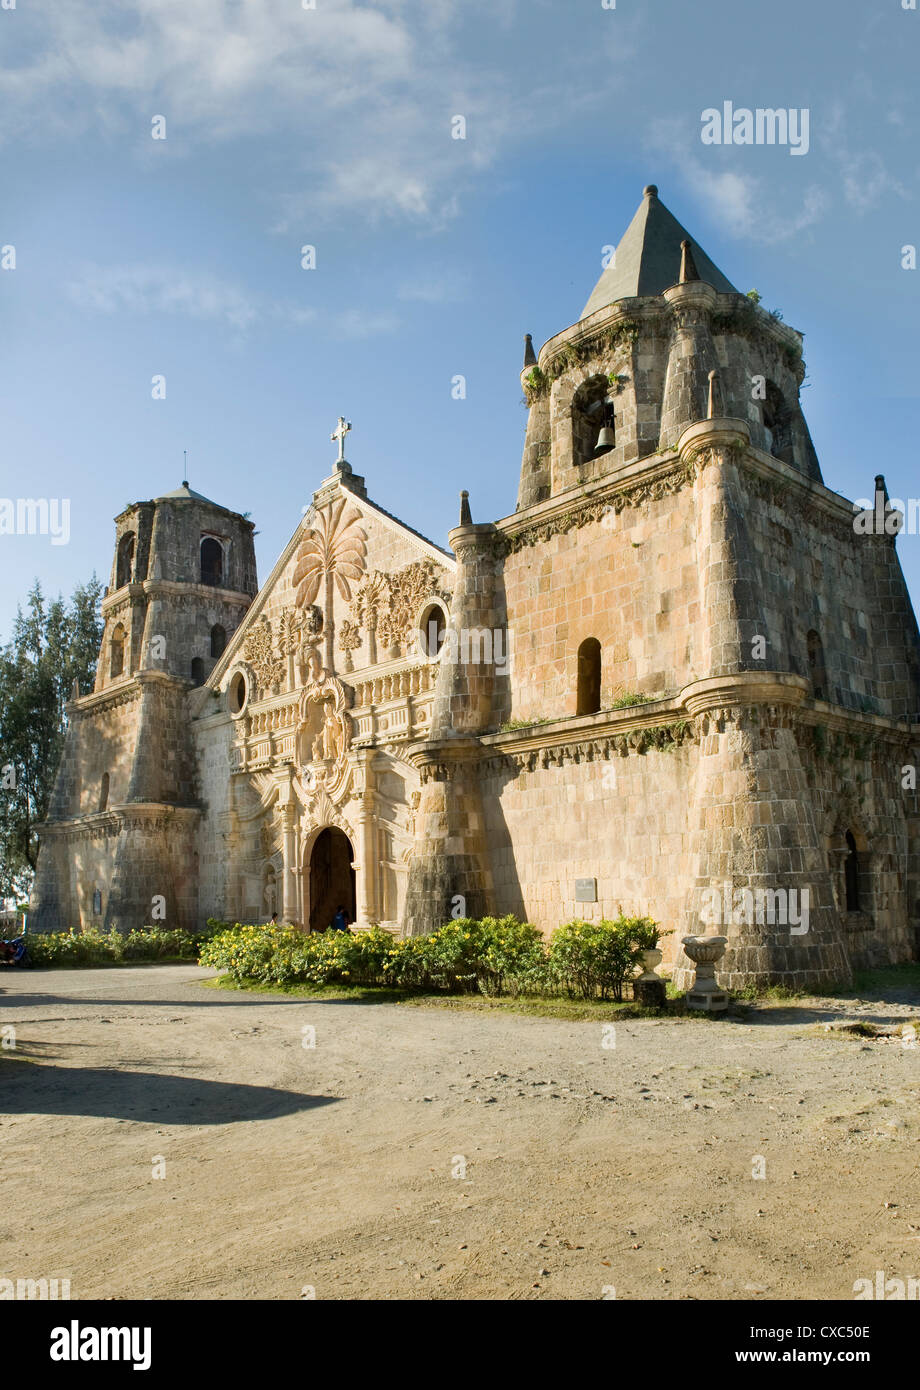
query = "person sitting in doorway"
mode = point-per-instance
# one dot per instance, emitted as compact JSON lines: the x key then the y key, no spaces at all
{"x":340,"y":920}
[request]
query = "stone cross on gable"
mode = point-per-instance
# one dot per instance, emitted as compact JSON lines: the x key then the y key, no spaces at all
{"x":339,"y":434}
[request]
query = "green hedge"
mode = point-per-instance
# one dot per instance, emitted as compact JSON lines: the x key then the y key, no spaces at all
{"x":94,"y":947}
{"x":495,"y":955}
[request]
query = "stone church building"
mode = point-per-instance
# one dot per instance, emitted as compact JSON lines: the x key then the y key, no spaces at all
{"x":678,"y":670}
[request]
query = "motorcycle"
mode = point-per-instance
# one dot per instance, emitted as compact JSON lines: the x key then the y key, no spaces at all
{"x":14,"y":952}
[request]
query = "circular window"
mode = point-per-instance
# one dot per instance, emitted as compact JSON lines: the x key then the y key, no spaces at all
{"x":237,"y":693}
{"x":432,"y":630}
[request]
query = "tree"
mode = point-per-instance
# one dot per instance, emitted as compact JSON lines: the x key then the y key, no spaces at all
{"x":53,"y":644}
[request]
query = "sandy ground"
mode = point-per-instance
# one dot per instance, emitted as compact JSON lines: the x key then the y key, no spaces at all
{"x":433,"y":1153}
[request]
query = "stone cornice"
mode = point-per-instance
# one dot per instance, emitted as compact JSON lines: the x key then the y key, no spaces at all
{"x":664,"y":474}
{"x":116,"y":599}
{"x":151,"y":815}
{"x":122,"y":692}
{"x":661,"y":725}
{"x":644,"y":480}
{"x":171,"y":589}
{"x":743,"y":688}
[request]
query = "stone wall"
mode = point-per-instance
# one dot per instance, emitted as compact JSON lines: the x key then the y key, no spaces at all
{"x":621,"y":821}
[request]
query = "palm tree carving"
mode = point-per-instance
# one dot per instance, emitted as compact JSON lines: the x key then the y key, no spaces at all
{"x":333,"y":555}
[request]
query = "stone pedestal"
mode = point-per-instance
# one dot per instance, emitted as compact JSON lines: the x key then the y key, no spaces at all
{"x":649,"y":988}
{"x":705,"y":993}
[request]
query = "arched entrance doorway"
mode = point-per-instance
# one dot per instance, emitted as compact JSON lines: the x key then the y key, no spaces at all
{"x":332,"y":879}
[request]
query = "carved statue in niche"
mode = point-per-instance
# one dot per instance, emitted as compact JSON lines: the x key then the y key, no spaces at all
{"x":330,"y":734}
{"x":324,"y":728}
{"x":267,"y":838}
{"x":270,"y":893}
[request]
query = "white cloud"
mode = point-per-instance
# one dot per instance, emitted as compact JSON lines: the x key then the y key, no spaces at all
{"x":380,"y":79}
{"x":161,"y":290}
{"x":751,"y":206}
{"x":143,"y":289}
{"x":435,"y":287}
{"x":356,"y":96}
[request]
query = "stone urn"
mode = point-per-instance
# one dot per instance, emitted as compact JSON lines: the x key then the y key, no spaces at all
{"x":705,"y":993}
{"x":649,"y":988}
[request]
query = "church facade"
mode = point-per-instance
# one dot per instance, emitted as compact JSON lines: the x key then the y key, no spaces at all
{"x":681,"y":679}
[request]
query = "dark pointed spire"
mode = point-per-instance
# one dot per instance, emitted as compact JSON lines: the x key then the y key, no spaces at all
{"x":647,"y":256}
{"x":530,"y":357}
{"x":466,"y":517}
{"x":688,"y":270}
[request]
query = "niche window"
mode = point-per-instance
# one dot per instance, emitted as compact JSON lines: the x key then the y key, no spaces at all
{"x":117,"y":652}
{"x":851,"y":875}
{"x":777,"y":423}
{"x":124,"y":564}
{"x":104,"y":792}
{"x":589,"y":677}
{"x":218,"y":640}
{"x":197,"y":671}
{"x":212,"y":562}
{"x":816,"y":671}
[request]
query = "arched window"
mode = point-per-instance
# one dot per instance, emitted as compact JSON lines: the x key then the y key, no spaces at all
{"x":593,"y":423}
{"x":124,"y":565}
{"x":589,"y":677}
{"x":104,"y":792}
{"x":851,"y":874}
{"x":117,"y":652}
{"x":218,"y":640}
{"x":777,"y":422}
{"x":816,"y":671}
{"x":238,"y":694}
{"x":432,"y":630}
{"x":197,"y":671}
{"x":212,"y":562}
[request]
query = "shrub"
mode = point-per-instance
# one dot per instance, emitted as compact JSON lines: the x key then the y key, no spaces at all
{"x":497,"y":955}
{"x":595,"y":958}
{"x":444,"y":959}
{"x":94,"y":947}
{"x":511,"y":956}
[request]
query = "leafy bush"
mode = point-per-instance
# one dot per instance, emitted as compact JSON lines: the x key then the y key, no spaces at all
{"x":512,"y":956}
{"x":94,"y":947}
{"x":497,"y":955}
{"x":596,"y":958}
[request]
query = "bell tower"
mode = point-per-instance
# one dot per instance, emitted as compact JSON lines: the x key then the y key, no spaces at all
{"x":183,"y":575}
{"x":119,"y":845}
{"x":624,"y":381}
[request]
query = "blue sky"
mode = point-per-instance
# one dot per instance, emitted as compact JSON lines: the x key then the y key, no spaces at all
{"x":332,"y":127}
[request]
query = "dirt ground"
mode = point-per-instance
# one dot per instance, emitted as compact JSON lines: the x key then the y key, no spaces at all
{"x":434,"y":1153}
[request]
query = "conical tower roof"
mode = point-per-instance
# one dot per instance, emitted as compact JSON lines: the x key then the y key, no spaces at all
{"x":648,"y":258}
